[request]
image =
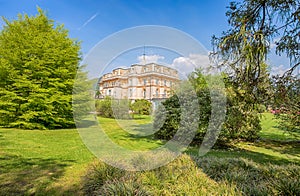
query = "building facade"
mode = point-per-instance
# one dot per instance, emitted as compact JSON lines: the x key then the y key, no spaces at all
{"x":150,"y":81}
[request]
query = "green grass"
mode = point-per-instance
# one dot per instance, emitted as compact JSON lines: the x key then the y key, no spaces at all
{"x":131,"y":134}
{"x":33,"y":161}
{"x":52,"y":162}
{"x":271,"y":129}
{"x":274,"y":146}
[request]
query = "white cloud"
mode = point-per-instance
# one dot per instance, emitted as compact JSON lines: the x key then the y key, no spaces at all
{"x":150,"y":58}
{"x":88,"y":21}
{"x":278,"y":70}
{"x":186,"y":65}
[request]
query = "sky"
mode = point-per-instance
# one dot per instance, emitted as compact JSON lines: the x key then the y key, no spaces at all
{"x":92,"y":21}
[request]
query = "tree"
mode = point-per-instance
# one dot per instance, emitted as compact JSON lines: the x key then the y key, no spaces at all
{"x":38,"y":66}
{"x":167,"y":118}
{"x":287,"y":102}
{"x":254,"y":25}
{"x":243,"y":49}
{"x":239,"y":123}
{"x":104,"y":107}
{"x":113,"y":108}
{"x":141,"y":106}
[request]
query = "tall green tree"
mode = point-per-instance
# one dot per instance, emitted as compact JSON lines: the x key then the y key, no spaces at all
{"x":38,"y":64}
{"x":243,"y":49}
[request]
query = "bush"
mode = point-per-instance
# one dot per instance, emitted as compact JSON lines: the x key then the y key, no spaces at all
{"x":167,"y":118}
{"x":104,"y":107}
{"x":110,"y":108}
{"x":241,"y":121}
{"x":141,"y":106}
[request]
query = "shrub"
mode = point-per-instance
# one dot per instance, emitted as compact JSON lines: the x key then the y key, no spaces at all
{"x":104,"y":108}
{"x":167,"y":118}
{"x":141,"y":106}
{"x":241,"y":121}
{"x":110,"y":108}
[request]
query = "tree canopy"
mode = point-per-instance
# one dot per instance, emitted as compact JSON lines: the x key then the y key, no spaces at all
{"x":255,"y":27}
{"x":38,"y":65}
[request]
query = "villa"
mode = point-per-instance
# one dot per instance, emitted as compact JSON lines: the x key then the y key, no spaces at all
{"x":150,"y":81}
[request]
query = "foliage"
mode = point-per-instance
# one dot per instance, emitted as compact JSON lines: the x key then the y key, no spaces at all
{"x":104,"y":108}
{"x":242,"y":118}
{"x":254,"y":24}
{"x":141,"y":106}
{"x":167,"y":118}
{"x":241,"y":121}
{"x":120,"y":108}
{"x":81,"y":99}
{"x":113,"y":108}
{"x":243,"y":49}
{"x":287,"y":101}
{"x":272,"y":130}
{"x":38,"y":66}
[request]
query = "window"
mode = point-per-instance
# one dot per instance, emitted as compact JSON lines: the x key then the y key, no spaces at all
{"x":109,"y":92}
{"x":130,"y":92}
{"x":130,"y":82}
{"x":171,"y":83}
{"x":145,"y":82}
{"x":156,"y":92}
{"x":165,"y":82}
{"x":145,"y":69}
{"x":144,"y":93}
{"x":157,"y":81}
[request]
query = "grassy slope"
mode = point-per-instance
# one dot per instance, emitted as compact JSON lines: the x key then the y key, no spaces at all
{"x":53,"y":161}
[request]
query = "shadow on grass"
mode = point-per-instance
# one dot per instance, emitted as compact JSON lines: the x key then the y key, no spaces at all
{"x":86,"y":123}
{"x":27,"y":176}
{"x":142,"y":130}
{"x":258,"y":157}
{"x":283,"y":147}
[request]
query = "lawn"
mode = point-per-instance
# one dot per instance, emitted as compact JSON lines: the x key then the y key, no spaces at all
{"x":271,"y":129}
{"x":42,"y":162}
{"x":274,"y":145}
{"x":52,"y":162}
{"x":132,"y":134}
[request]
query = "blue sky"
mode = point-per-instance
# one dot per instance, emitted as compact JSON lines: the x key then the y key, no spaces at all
{"x":90,"y":21}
